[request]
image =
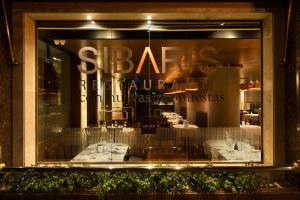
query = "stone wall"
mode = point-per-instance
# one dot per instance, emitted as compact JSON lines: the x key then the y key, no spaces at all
{"x":5,"y":92}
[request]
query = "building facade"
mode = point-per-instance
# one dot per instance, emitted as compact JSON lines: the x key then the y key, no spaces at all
{"x":259,"y":116}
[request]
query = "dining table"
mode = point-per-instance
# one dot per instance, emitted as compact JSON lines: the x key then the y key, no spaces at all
{"x":225,"y":150}
{"x":102,"y":152}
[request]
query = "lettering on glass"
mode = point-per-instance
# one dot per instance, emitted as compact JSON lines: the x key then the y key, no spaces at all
{"x":121,"y":57}
{"x":139,"y":68}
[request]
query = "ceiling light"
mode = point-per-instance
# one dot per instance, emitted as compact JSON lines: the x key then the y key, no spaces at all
{"x":59,"y":42}
{"x":62,"y":42}
{"x":56,"y":42}
{"x":149,"y":18}
{"x":89,"y":17}
{"x":222,"y":24}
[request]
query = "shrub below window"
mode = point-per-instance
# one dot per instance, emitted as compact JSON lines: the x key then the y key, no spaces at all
{"x":34,"y":181}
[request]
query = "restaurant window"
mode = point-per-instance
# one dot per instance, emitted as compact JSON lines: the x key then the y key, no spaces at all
{"x":135,"y":92}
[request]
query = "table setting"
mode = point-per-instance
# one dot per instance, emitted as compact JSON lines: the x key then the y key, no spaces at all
{"x":231,"y":150}
{"x":102,"y":152}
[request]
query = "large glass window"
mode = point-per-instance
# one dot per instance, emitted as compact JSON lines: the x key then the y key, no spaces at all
{"x":137,"y":92}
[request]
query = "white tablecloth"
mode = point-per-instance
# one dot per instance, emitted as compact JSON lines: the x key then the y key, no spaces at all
{"x":242,"y":155}
{"x":102,"y":152}
{"x":183,"y":127}
{"x":220,"y":150}
{"x":173,"y":121}
{"x":169,"y":114}
{"x":172,"y":117}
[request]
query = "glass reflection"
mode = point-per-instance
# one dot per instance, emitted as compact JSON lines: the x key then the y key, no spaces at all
{"x":126,"y":100}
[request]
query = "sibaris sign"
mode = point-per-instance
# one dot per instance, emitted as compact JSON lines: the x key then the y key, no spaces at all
{"x":122,"y":56}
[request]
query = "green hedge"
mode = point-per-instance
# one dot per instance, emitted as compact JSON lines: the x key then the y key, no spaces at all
{"x":131,"y":182}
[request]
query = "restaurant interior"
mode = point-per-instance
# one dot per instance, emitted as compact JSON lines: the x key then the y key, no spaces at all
{"x":154,"y":91}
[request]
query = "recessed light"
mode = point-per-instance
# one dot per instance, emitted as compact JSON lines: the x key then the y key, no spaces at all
{"x":89,"y":17}
{"x":149,"y":18}
{"x":56,"y":42}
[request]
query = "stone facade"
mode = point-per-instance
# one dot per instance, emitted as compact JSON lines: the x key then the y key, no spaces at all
{"x":5,"y":92}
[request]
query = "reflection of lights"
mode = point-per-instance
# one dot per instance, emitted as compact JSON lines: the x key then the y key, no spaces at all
{"x":57,"y":59}
{"x":230,"y":34}
{"x":297,"y":79}
{"x":191,"y":89}
{"x":192,"y":86}
{"x":62,"y":42}
{"x":111,"y":167}
{"x":89,"y":17}
{"x":56,"y":42}
{"x":178,"y":89}
{"x":149,"y":22}
{"x":91,"y":26}
{"x":178,"y":167}
{"x":92,"y":22}
{"x":150,"y":167}
{"x":225,"y":34}
{"x":222,"y":24}
{"x":59,"y":42}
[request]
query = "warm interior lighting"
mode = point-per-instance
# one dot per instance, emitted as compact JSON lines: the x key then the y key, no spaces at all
{"x":149,"y":22}
{"x":150,"y":167}
{"x":83,"y":105}
{"x":110,"y":167}
{"x":192,"y":86}
{"x":182,"y":105}
{"x":244,"y":86}
{"x":230,"y":35}
{"x":178,"y":167}
{"x":182,"y":88}
{"x":60,"y":42}
{"x":92,"y":22}
{"x":57,"y":59}
{"x":195,"y":89}
{"x":89,"y":17}
{"x":56,"y":42}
